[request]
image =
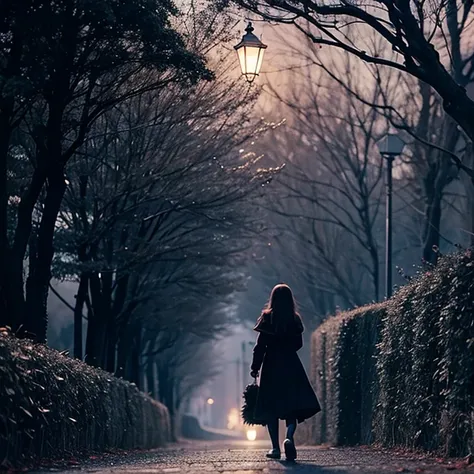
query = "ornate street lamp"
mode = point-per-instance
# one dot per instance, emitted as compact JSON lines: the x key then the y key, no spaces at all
{"x":390,"y":146}
{"x":250,"y":52}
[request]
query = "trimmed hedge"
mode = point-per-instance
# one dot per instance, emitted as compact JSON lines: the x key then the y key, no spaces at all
{"x":344,"y":374}
{"x":52,"y":406}
{"x":426,"y":362}
{"x":402,"y":372}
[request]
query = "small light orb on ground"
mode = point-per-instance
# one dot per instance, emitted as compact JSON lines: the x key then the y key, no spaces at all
{"x":210,"y":401}
{"x":251,"y":435}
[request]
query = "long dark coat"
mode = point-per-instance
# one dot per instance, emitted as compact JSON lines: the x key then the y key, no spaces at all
{"x":285,"y":391}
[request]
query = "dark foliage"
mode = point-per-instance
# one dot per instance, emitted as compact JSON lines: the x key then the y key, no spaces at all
{"x":62,"y":66}
{"x":401,"y":372}
{"x":426,"y":361}
{"x":250,"y":402}
{"x":54,"y":406}
{"x":345,"y":375}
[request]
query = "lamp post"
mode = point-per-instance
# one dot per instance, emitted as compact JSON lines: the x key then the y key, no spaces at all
{"x":390,"y":146}
{"x":250,"y":51}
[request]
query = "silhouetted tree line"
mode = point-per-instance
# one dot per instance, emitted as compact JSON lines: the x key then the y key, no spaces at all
{"x":63,"y":66}
{"x":121,"y":170}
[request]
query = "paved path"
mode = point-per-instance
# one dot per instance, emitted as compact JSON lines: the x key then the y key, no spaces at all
{"x":242,"y":457}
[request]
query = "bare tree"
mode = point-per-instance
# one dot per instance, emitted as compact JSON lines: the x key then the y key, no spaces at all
{"x":430,"y":41}
{"x":409,"y":105}
{"x":76,"y":63}
{"x":159,"y":197}
{"x":333,"y":183}
{"x":183,"y":369}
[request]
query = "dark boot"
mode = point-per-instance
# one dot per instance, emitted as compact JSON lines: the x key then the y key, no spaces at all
{"x":274,"y":453}
{"x":289,"y":443}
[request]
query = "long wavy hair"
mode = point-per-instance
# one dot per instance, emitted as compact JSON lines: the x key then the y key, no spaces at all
{"x":281,"y":311}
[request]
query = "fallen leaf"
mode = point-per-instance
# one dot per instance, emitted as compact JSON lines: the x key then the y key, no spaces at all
{"x":27,"y":412}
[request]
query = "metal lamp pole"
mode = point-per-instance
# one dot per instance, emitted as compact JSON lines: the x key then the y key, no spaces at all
{"x":388,"y":227}
{"x":390,"y":147}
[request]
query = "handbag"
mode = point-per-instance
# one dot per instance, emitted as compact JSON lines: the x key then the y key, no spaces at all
{"x":250,"y":403}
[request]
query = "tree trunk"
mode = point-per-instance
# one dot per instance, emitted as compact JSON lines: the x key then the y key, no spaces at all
{"x":124,"y":343}
{"x":97,"y":324}
{"x":36,"y":317}
{"x":110,"y":338}
{"x":14,"y":284}
{"x":375,"y":271}
{"x":94,"y":340}
{"x":162,"y":382}
{"x":112,"y":311}
{"x":431,"y":234}
{"x":150,"y":376}
{"x":124,"y":338}
{"x":166,"y":390}
{"x":135,"y":358}
{"x":5,"y":132}
{"x":171,"y":405}
{"x":468,"y":184}
{"x":471,"y":215}
{"x":78,"y":308}
{"x":83,"y":290}
{"x":457,"y":104}
{"x":11,"y":283}
{"x":110,"y":357}
{"x":125,"y":334}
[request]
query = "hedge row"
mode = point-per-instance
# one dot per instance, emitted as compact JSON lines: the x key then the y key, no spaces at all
{"x":344,"y":375}
{"x":402,"y":372}
{"x":53,"y":406}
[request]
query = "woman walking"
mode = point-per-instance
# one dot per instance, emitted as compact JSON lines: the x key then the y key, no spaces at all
{"x":285,"y":392}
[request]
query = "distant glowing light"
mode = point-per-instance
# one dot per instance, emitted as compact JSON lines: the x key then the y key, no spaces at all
{"x":251,"y":435}
{"x":233,"y":418}
{"x":210,"y":401}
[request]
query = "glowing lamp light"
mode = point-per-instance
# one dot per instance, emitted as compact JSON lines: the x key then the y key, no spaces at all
{"x":251,"y":435}
{"x":250,"y":52}
{"x":210,"y":401}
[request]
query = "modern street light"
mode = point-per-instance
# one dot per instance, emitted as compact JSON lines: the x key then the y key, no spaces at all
{"x":390,"y":146}
{"x":250,"y":52}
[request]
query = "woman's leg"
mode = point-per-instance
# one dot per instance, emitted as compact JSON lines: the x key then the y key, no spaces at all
{"x":289,"y":443}
{"x":273,"y":432}
{"x":291,"y":428}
